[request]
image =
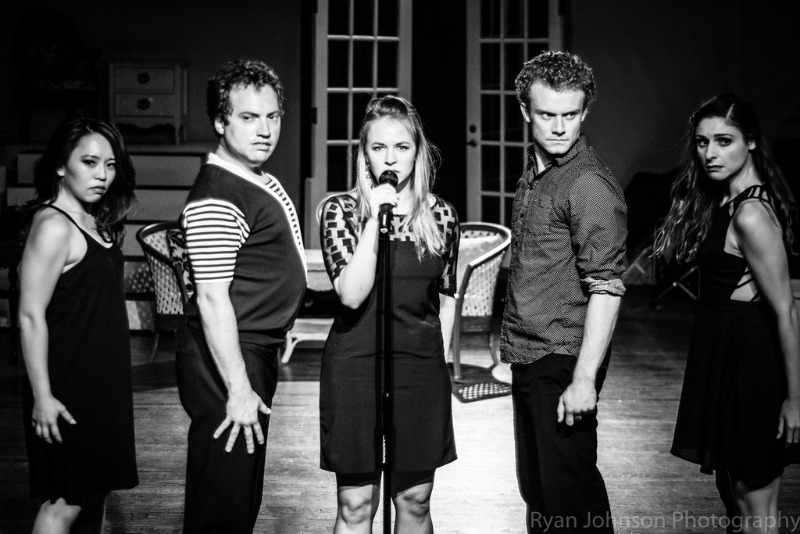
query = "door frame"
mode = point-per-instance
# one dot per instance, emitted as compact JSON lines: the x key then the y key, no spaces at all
{"x":473,"y":129}
{"x":316,"y":185}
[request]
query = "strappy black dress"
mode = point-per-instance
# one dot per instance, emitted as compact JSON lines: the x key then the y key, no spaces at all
{"x":89,"y":365}
{"x":735,"y":380}
{"x":350,"y":429}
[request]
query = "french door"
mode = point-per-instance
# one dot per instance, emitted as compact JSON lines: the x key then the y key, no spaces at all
{"x":501,"y":36}
{"x":362,"y":49}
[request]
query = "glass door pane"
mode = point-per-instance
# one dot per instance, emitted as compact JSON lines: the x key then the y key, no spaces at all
{"x":363,"y":49}
{"x":502,"y":35}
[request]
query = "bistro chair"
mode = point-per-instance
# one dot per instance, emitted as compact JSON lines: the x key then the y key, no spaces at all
{"x":164,"y":247}
{"x":480,"y":256}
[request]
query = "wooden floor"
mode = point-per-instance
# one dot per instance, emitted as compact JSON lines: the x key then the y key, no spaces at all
{"x":650,"y":490}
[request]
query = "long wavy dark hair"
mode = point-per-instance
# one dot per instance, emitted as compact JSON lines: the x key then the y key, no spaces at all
{"x":112,"y":209}
{"x":695,"y":197}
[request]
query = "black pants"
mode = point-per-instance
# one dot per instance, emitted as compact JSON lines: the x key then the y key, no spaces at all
{"x":556,"y":464}
{"x":223,"y":489}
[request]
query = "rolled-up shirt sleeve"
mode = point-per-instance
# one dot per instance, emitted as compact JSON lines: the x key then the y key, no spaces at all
{"x":598,"y":218}
{"x":215,"y":231}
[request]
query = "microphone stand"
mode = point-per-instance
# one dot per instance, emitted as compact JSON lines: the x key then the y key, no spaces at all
{"x":384,"y":337}
{"x":385,"y":328}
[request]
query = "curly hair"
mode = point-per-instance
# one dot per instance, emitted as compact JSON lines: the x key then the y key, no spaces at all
{"x":695,"y":197}
{"x":238,"y":74}
{"x":112,"y":209}
{"x":561,"y":71}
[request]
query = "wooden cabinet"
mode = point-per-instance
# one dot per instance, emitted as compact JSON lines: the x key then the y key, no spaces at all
{"x":147,"y":94}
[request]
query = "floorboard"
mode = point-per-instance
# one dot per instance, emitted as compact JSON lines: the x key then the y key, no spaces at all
{"x":650,"y":490}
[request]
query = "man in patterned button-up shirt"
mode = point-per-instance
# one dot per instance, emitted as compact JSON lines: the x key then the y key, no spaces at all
{"x":563,"y":297}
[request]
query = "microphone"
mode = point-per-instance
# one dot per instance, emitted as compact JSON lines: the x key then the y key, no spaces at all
{"x":385,"y":214}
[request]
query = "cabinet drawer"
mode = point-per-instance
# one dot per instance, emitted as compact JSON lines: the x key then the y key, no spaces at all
{"x":144,"y":79}
{"x":146,"y":105}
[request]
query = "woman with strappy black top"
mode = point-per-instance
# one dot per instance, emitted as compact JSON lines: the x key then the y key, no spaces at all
{"x":78,"y":401}
{"x":739,"y":414}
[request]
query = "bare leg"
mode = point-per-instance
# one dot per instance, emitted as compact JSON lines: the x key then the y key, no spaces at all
{"x":411,"y":493}
{"x":759,"y":508}
{"x":413,"y":509}
{"x":55,"y":518}
{"x":357,"y":506}
{"x":725,"y":489}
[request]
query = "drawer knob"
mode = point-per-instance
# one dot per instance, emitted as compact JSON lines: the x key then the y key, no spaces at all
{"x":143,"y":77}
{"x":143,"y":104}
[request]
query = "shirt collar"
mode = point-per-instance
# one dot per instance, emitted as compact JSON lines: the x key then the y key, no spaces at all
{"x":239,"y":170}
{"x":558,"y":161}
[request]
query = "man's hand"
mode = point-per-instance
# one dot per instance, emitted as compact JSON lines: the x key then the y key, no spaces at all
{"x":241,"y":411}
{"x":580,"y":397}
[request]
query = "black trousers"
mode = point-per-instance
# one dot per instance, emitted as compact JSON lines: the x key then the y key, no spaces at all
{"x":223,"y":489}
{"x":556,"y":464}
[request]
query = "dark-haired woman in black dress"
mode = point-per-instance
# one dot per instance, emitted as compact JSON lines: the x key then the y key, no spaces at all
{"x":74,"y":328}
{"x":739,"y":414}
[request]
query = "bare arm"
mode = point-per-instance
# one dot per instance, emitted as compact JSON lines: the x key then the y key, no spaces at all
{"x":761,"y":243}
{"x":219,"y":326}
{"x":581,"y":395}
{"x":447,"y":315}
{"x":46,"y":254}
{"x":354,"y":283}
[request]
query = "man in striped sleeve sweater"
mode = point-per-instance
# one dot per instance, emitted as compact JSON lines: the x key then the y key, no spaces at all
{"x":246,"y":252}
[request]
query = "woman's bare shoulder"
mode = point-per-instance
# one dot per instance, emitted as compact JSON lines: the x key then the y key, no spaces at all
{"x":50,"y":227}
{"x":753,"y":213}
{"x":755,"y":222}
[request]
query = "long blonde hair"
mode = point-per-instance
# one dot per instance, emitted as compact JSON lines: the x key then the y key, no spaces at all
{"x":421,"y":220}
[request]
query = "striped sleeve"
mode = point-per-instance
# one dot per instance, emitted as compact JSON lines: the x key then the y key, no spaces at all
{"x":215,"y":231}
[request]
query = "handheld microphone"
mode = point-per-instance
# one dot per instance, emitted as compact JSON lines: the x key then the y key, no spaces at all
{"x":385,"y":214}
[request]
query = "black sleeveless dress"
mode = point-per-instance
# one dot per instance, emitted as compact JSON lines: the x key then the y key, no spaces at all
{"x":350,"y":429}
{"x":89,"y":364}
{"x":735,"y":379}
